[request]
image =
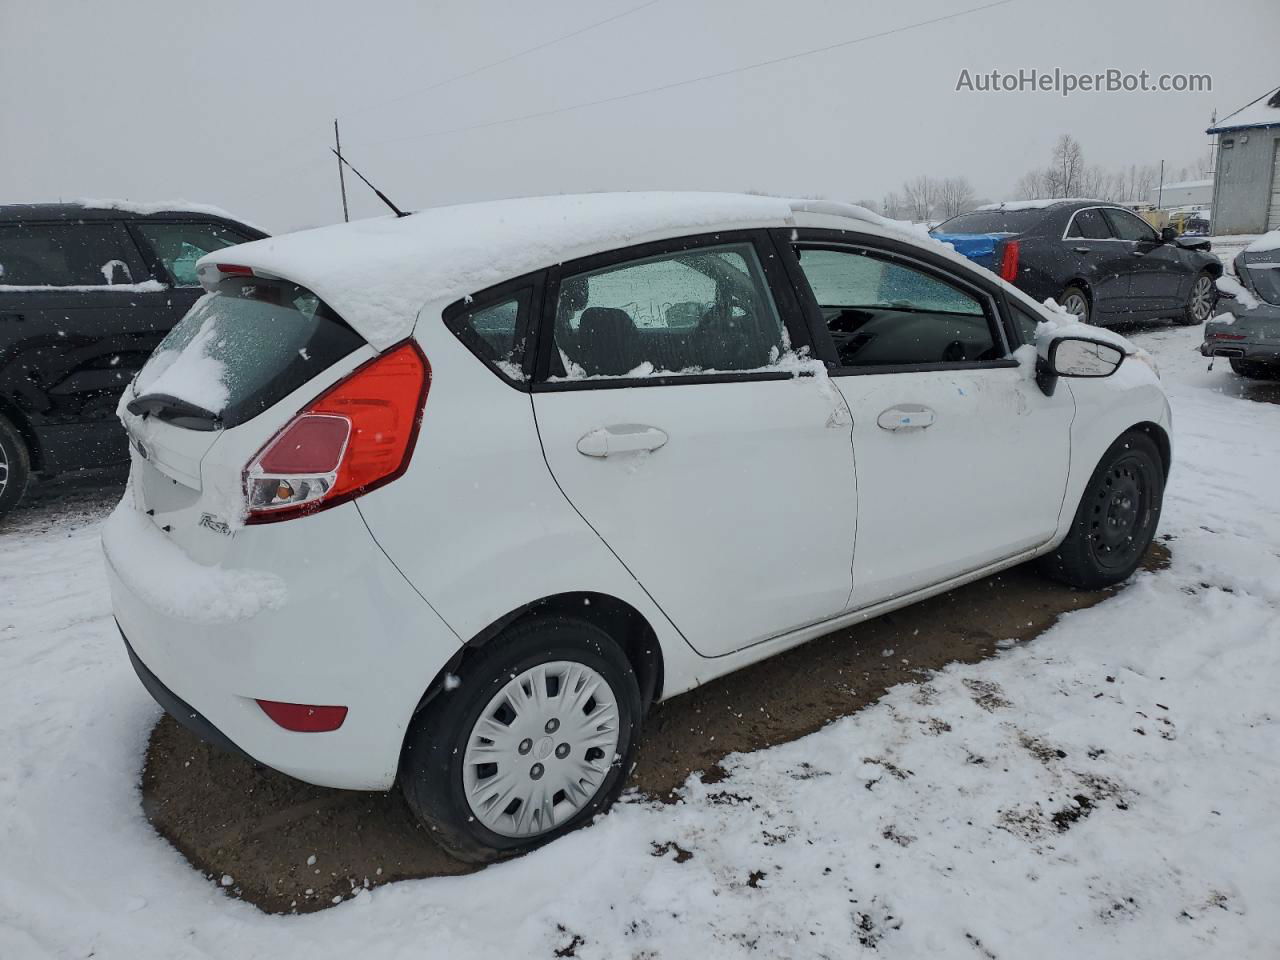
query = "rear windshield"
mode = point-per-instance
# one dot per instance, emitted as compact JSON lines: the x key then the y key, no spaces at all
{"x":1266,"y":280}
{"x":992,"y":221}
{"x":240,"y":350}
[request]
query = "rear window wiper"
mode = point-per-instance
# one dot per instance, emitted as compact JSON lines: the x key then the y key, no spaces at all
{"x":171,"y":409}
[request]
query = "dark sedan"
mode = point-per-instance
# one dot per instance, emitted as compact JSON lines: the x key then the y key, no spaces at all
{"x":1098,"y":260}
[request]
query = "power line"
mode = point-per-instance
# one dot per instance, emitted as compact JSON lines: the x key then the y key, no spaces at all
{"x":277,"y":154}
{"x":690,"y":80}
{"x":515,"y":56}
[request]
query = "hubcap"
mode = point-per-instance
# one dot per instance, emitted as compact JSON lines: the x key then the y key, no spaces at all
{"x":541,"y":749}
{"x":1075,"y":305}
{"x":1202,"y":299}
{"x":1120,"y":514}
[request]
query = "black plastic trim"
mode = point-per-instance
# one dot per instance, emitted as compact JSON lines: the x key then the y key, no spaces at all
{"x":527,"y":290}
{"x":176,"y":707}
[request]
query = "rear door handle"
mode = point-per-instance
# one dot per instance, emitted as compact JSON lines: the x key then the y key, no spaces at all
{"x":906,"y":416}
{"x":1083,"y":249}
{"x":16,"y":317}
{"x":620,"y":438}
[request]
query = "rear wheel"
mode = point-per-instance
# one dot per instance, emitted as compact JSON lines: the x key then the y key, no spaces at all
{"x":15,"y":466}
{"x":1203,"y":301}
{"x":1116,"y":519}
{"x":1076,"y":302}
{"x":1254,"y":370}
{"x":535,"y":740}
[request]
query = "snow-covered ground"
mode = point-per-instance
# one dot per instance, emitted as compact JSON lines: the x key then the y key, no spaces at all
{"x":1110,"y":789}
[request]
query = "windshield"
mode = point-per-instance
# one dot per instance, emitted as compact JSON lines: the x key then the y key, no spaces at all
{"x":992,"y":221}
{"x":239,"y":350}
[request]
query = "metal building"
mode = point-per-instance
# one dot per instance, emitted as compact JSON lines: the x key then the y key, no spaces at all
{"x":1246,"y":183}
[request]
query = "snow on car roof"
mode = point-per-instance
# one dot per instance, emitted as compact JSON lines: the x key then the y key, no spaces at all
{"x":147,"y":208}
{"x":1263,"y":112}
{"x":379,"y":273}
{"x":1265,"y":243}
{"x":1039,"y":204}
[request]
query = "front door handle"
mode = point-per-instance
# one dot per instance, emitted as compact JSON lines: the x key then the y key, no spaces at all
{"x":1083,"y":249}
{"x":620,"y":438}
{"x":15,"y":317}
{"x":906,"y":417}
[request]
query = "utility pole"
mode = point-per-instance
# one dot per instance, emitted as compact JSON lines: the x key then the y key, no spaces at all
{"x":342,"y":182}
{"x":1160,"y":189}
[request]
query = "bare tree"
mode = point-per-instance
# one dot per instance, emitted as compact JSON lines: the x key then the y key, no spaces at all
{"x":1031,"y":186}
{"x":921,"y":197}
{"x":1066,"y":168}
{"x":894,"y":207}
{"x":955,"y":196}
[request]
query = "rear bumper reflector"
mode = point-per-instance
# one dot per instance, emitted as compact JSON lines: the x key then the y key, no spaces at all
{"x":304,"y":717}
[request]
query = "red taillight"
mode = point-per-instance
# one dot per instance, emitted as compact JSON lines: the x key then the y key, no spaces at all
{"x":304,"y":717}
{"x":357,"y":435}
{"x":234,"y":268}
{"x":1009,"y":260}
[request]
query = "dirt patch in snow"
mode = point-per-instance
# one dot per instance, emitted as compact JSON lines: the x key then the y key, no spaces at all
{"x":288,"y":846}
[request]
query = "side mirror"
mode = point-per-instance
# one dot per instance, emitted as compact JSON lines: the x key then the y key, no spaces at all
{"x":1168,"y":235}
{"x":1076,"y":357}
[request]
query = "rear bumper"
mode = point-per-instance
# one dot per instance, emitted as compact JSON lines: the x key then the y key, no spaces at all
{"x":345,"y":629}
{"x":176,"y":707}
{"x":1246,"y":333}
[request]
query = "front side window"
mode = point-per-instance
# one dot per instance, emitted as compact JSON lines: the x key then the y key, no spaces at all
{"x":1089,"y":225}
{"x":1127,"y":226}
{"x":68,"y":255}
{"x":883,"y":313}
{"x":180,"y":245}
{"x":696,"y":311}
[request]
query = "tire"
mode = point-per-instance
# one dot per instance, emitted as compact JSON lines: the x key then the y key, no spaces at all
{"x":1202,"y":302}
{"x":1079,"y":302}
{"x":15,"y":466}
{"x":1116,"y":519}
{"x":438,"y":767}
{"x":1254,"y":370}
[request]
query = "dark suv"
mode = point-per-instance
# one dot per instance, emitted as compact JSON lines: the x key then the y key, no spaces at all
{"x":86,"y":293}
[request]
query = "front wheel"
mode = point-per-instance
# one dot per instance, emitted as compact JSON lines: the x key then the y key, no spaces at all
{"x":1204,"y":300}
{"x":1116,"y":519}
{"x":535,"y":739}
{"x":15,"y":466}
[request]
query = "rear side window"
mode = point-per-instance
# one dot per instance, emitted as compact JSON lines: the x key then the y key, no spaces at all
{"x":1128,"y":226}
{"x":179,"y":245}
{"x":1089,"y":225}
{"x":993,"y":221}
{"x":68,"y":255}
{"x":495,"y":331}
{"x":883,"y":313}
{"x":696,"y":311}
{"x":240,"y":350}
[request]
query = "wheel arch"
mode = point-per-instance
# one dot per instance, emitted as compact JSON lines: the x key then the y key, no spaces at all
{"x":1161,"y":439}
{"x":619,"y":619}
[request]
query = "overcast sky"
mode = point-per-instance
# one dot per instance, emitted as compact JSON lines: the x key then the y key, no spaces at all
{"x":232,"y":102}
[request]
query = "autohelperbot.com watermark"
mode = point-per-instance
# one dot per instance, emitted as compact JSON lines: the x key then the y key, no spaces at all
{"x":1067,"y":82}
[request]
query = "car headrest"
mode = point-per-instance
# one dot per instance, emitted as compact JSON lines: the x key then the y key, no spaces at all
{"x":606,"y":339}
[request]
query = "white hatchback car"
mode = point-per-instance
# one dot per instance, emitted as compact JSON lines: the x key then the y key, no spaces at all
{"x":453,"y":499}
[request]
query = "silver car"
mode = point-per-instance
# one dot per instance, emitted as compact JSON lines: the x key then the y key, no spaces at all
{"x":1248,"y":333}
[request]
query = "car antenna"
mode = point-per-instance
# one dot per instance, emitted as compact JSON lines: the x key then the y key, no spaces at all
{"x":381,"y":196}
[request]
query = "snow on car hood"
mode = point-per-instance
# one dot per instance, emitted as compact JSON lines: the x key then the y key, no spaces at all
{"x":377,"y":274}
